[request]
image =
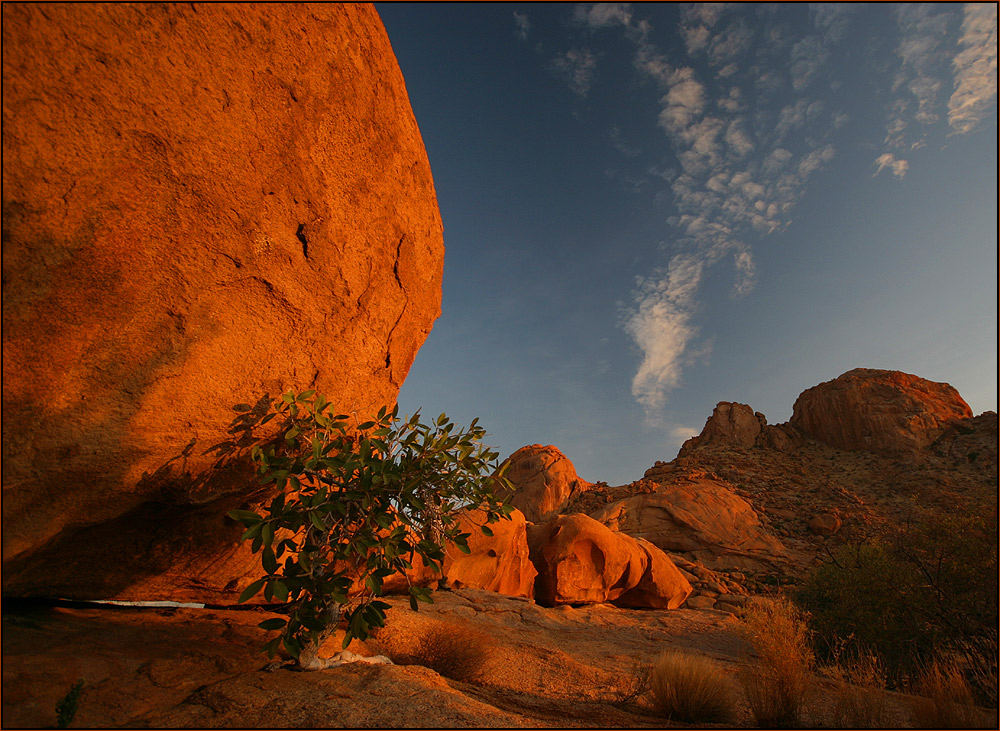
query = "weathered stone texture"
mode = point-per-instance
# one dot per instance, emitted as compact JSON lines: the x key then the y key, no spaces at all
{"x":201,"y":204}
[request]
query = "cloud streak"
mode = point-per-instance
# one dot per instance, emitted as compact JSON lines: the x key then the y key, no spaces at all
{"x":576,"y":68}
{"x":975,"y":69}
{"x":888,"y":161}
{"x":522,"y":26}
{"x":661,"y":326}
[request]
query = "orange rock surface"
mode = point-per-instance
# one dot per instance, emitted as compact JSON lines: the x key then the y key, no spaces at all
{"x":581,"y":561}
{"x":730,"y":423}
{"x":700,"y":516}
{"x":878,"y":411}
{"x":662,"y":585}
{"x":201,"y":205}
{"x":499,"y":563}
{"x":544,"y":481}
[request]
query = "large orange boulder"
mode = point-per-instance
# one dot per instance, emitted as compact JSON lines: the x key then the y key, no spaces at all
{"x":202,"y":204}
{"x":544,"y":481}
{"x":499,"y":562}
{"x":581,"y":561}
{"x":878,"y":411}
{"x":703,"y":517}
{"x":661,"y":586}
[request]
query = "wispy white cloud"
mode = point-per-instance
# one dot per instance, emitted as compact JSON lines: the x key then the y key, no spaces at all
{"x":922,"y":52}
{"x":680,"y":434}
{"x":975,"y":68}
{"x":744,"y":152}
{"x":831,"y":19}
{"x":522,"y":26}
{"x":576,"y":67}
{"x":661,"y":326}
{"x":603,"y":15}
{"x":737,"y":174}
{"x":809,"y":56}
{"x":888,"y":161}
{"x":619,"y":143}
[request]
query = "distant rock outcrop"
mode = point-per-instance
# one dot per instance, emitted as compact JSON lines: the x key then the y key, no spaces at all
{"x":201,"y":205}
{"x":581,"y":561}
{"x":544,"y":481}
{"x":738,"y":425}
{"x":701,"y":517}
{"x":730,"y":423}
{"x":878,"y":411}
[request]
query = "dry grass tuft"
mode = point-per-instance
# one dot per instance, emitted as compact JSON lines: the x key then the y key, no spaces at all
{"x":777,"y":680}
{"x":944,"y":699}
{"x":633,"y":685}
{"x":691,"y":688}
{"x":861,"y":700}
{"x":454,"y":651}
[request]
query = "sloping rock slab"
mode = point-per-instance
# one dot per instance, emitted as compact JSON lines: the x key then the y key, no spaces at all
{"x":703,"y":517}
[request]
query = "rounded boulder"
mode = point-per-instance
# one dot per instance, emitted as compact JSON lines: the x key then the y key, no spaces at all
{"x":202,"y":205}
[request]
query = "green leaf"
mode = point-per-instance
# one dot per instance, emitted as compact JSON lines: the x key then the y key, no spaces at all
{"x":252,"y":532}
{"x":244,"y":516}
{"x":250,"y":590}
{"x":280,"y":590}
{"x":274,"y":623}
{"x":366,"y":425}
{"x":269,"y":560}
{"x":317,"y":521}
{"x":271,"y":648}
{"x":486,"y":531}
{"x":305,"y":395}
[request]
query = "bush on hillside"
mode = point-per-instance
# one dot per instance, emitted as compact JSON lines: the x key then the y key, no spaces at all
{"x":910,"y":595}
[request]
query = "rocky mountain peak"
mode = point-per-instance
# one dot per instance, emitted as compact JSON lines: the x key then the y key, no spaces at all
{"x":878,"y":411}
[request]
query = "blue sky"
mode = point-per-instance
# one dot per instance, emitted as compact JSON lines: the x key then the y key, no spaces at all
{"x":652,"y":208}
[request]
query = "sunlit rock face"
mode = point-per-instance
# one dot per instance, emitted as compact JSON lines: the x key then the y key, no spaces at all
{"x":731,"y":424}
{"x":499,"y":562}
{"x":201,"y":205}
{"x":878,"y":411}
{"x":544,"y":481}
{"x":701,"y":517}
{"x":581,"y":561}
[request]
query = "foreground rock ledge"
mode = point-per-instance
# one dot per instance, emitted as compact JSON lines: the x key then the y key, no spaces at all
{"x":201,"y":205}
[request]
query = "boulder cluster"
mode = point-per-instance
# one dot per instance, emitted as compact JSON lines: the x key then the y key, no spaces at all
{"x":691,"y":535}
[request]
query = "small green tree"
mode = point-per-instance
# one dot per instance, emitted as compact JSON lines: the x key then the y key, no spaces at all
{"x":357,"y":503}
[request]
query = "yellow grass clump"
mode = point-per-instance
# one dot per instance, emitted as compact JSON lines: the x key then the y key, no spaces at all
{"x":861,"y":700}
{"x":943,"y":698}
{"x":455,"y":651}
{"x":777,"y":678}
{"x":691,"y":688}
